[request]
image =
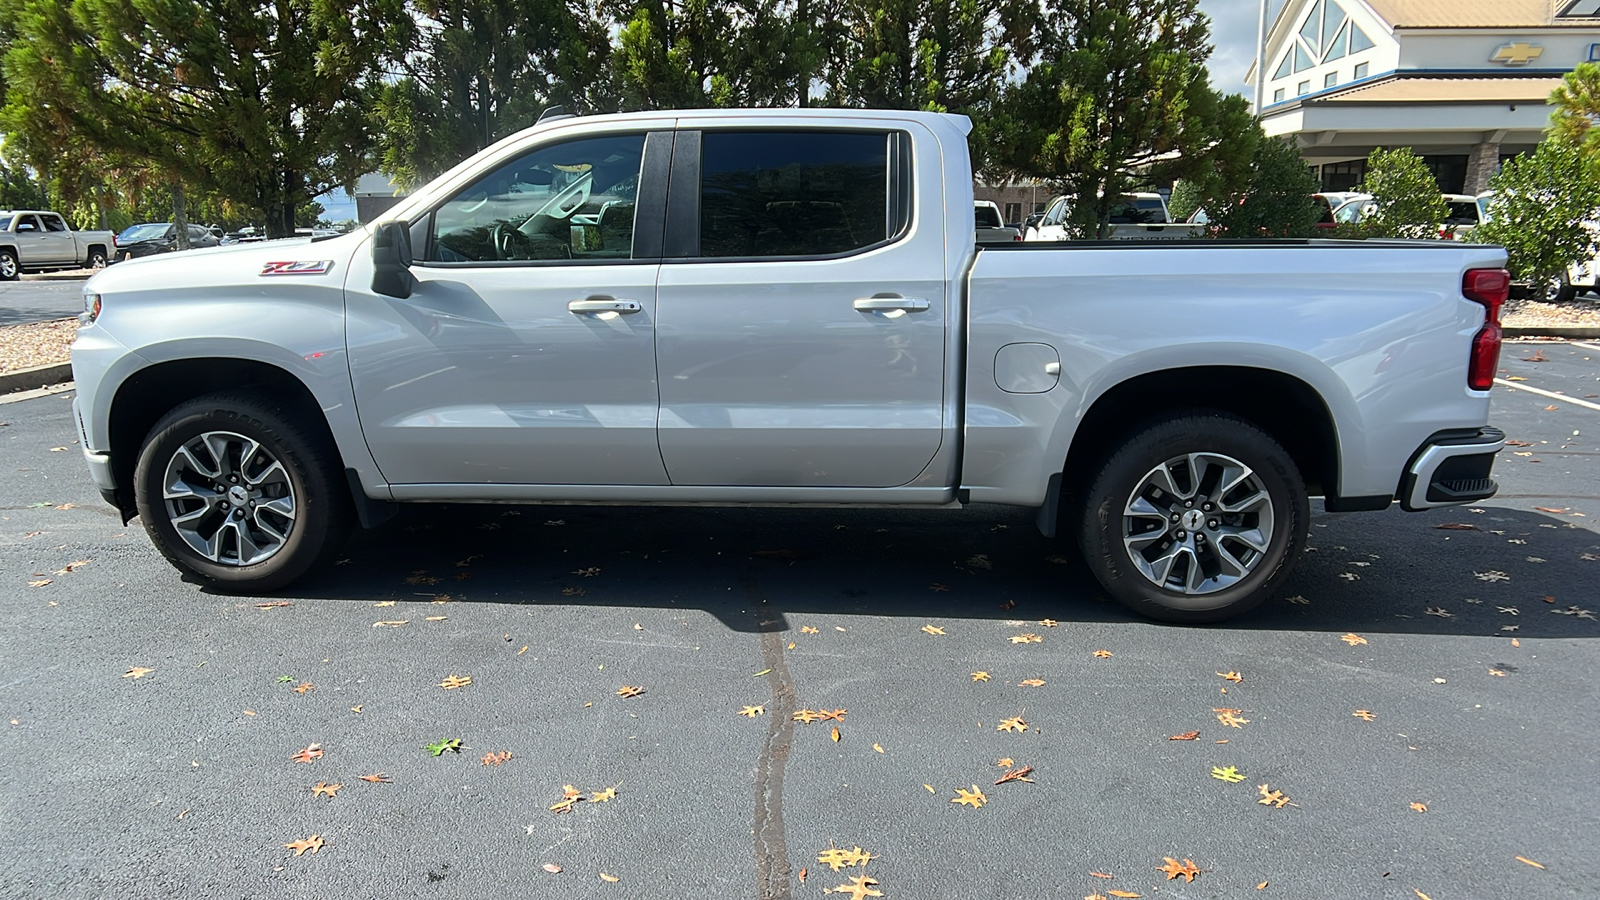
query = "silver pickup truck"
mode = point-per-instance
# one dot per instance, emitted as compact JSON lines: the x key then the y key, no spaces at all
{"x":783,"y":307}
{"x":33,"y":240}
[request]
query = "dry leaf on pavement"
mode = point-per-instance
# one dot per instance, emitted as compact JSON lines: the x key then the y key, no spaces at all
{"x":980,"y":676}
{"x":610,"y":879}
{"x":1420,"y":807}
{"x":1234,"y":677}
{"x":1015,"y":725}
{"x":376,"y":778}
{"x":1230,"y":774}
{"x":1186,"y":736}
{"x":1102,"y":654}
{"x":137,"y":672}
{"x":1364,"y":715}
{"x":750,"y":712}
{"x":313,"y":843}
{"x":1353,"y":639}
{"x":1273,"y":798}
{"x":1027,"y":639}
{"x":1032,"y":682}
{"x":973,"y":798}
{"x":1187,"y":870}
{"x":859,"y":888}
{"x":932,"y":629}
{"x":627,"y":691}
{"x":455,"y":681}
{"x":1016,"y":775}
{"x":324,"y":789}
{"x":312,"y":751}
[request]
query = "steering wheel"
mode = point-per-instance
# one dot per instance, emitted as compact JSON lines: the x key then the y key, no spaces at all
{"x":508,"y":241}
{"x":513,"y":244}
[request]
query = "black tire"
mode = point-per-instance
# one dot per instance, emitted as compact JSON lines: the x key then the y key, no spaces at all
{"x":97,"y":259}
{"x":10,"y":269}
{"x":1101,"y":529}
{"x":311,"y":467}
{"x":1561,"y":291}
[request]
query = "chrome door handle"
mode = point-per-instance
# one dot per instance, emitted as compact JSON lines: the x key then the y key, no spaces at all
{"x":883,"y":303}
{"x":600,"y":303}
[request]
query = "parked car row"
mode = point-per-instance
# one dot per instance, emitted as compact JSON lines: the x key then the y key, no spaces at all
{"x":150,"y":238}
{"x":1462,"y":215}
{"x":1138,"y":216}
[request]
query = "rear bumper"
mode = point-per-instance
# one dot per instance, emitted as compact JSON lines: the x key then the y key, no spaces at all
{"x":1452,"y":467}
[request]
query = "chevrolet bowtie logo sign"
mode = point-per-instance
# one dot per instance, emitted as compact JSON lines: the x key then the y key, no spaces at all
{"x":1518,"y":54}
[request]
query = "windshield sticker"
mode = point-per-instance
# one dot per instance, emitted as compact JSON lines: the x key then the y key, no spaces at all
{"x":315,"y":267}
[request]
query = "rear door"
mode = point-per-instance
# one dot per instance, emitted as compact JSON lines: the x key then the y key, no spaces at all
{"x":802,"y":300}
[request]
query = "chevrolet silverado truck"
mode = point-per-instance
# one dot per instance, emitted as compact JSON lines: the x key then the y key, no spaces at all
{"x":34,"y":240}
{"x":783,"y":308}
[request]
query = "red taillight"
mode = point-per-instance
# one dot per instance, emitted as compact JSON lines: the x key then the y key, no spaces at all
{"x":1489,"y":287}
{"x":1017,"y":237}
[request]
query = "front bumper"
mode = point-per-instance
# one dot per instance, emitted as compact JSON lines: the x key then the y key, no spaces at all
{"x":1451,"y":468}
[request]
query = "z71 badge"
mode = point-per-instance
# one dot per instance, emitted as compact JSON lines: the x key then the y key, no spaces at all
{"x":315,"y":267}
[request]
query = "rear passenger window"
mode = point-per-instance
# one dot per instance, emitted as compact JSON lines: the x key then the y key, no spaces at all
{"x":795,"y":193}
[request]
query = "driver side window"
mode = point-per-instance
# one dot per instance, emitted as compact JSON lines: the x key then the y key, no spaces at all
{"x":573,"y":200}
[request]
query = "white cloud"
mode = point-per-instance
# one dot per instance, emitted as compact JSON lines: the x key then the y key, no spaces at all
{"x":1233,"y":30}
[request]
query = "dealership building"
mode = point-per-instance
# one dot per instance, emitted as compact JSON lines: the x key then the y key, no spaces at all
{"x":1464,"y":83}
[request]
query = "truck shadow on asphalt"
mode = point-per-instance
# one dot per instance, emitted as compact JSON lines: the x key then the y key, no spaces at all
{"x":1451,"y":571}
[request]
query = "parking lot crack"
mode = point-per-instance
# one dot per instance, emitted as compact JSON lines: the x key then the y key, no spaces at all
{"x":773,"y":875}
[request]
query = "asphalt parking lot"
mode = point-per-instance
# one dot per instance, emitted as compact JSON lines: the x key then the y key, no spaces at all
{"x":40,"y":299}
{"x":1466,"y":638}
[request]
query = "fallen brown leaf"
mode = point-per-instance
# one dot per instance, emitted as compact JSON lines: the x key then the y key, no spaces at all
{"x":1027,"y":639}
{"x":1016,"y":775}
{"x":1524,"y":859}
{"x":612,"y":879}
{"x":1187,"y":870}
{"x":137,"y":672}
{"x":324,"y":789}
{"x":455,"y":681}
{"x":376,"y":778}
{"x":312,"y":751}
{"x":552,"y":868}
{"x":1186,"y":736}
{"x":1102,"y":654}
{"x":313,"y":843}
{"x":627,"y":691}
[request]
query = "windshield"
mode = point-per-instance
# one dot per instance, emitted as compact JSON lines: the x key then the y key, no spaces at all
{"x":5,"y":222}
{"x":1462,"y":212}
{"x":1483,"y":207}
{"x":148,"y":232}
{"x":1138,"y":211}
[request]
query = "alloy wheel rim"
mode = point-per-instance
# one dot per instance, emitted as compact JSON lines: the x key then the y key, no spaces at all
{"x":229,"y":498}
{"x":8,"y":265}
{"x":1198,"y":523}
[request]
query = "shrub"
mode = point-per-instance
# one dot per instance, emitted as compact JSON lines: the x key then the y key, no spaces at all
{"x":1541,"y":211}
{"x":1409,"y":203}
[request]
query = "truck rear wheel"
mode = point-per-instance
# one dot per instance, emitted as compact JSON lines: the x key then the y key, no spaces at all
{"x":236,"y":491}
{"x":1198,"y":517}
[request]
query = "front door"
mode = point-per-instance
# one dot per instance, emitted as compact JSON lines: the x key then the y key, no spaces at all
{"x":526,"y":354}
{"x":801,"y":333}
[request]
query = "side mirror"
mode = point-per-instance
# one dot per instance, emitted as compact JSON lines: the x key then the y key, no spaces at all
{"x":391,"y":261}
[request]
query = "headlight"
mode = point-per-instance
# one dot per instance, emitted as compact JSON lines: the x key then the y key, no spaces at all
{"x":91,"y":309}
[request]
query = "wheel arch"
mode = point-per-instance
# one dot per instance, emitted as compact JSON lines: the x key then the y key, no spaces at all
{"x":149,"y":393}
{"x":1283,"y":405}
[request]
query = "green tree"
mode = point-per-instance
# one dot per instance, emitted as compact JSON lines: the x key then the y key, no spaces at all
{"x":942,"y":55}
{"x":470,"y":72}
{"x":1275,"y":202}
{"x":1407,"y":198}
{"x":265,"y":102}
{"x":1577,"y":109}
{"x":676,"y":54}
{"x":1118,"y":97}
{"x":1543,"y":212}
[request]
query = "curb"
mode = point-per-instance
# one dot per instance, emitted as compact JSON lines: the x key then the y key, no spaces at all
{"x":58,"y":275}
{"x":35,"y":378}
{"x":1572,"y":332}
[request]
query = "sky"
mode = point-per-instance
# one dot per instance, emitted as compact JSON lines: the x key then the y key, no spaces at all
{"x":1233,"y":30}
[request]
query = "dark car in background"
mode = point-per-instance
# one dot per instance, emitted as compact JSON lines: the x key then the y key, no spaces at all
{"x":150,"y":238}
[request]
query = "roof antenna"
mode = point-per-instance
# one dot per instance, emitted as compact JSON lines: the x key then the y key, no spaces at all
{"x":554,"y":112}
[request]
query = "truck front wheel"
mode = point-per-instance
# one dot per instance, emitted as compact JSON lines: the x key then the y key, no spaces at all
{"x":235,"y":489}
{"x":1197,"y":517}
{"x":9,"y":268}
